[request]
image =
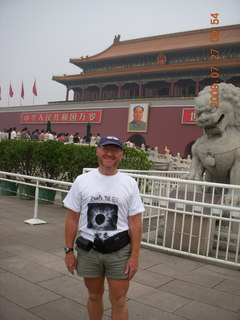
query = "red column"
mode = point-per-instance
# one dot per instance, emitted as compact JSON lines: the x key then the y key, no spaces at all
{"x":67,"y":94}
{"x":171,"y":93}
{"x":100,"y":93}
{"x":83,"y":91}
{"x":140,"y":90}
{"x":197,"y":87}
{"x":119,"y":91}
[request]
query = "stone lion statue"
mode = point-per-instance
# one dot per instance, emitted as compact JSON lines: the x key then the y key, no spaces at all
{"x":216,"y":154}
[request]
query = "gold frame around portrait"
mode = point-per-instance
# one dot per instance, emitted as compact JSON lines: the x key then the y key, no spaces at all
{"x":144,"y":118}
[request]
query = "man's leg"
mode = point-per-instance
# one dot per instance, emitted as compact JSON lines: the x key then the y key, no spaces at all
{"x":95,"y":288}
{"x":117,"y":293}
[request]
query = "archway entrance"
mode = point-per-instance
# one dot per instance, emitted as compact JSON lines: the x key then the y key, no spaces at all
{"x":137,"y":139}
{"x":188,"y":149}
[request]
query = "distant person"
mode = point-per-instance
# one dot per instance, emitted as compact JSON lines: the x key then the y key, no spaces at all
{"x":50,"y":135}
{"x":61,"y":137}
{"x":41,"y":136}
{"x":54,"y":135}
{"x":76,"y":138}
{"x":13,"y":134}
{"x":35,"y":135}
{"x":98,"y":137}
{"x":137,"y":124}
{"x":24,"y":133}
{"x":66,"y":137}
{"x":4,"y":134}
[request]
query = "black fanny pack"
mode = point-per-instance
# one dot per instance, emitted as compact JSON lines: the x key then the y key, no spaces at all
{"x":109,"y":245}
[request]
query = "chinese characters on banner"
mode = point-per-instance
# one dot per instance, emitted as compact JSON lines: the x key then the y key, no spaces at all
{"x":62,"y":117}
{"x":188,"y":116}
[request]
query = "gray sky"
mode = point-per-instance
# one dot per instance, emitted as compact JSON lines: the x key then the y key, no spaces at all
{"x":38,"y":37}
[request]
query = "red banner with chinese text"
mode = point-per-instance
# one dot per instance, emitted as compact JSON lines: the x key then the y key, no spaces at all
{"x":188,"y":116}
{"x":92,"y":116}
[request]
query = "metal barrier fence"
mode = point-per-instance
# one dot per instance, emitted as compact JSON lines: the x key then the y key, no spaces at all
{"x":192,"y":218}
{"x":34,"y":184}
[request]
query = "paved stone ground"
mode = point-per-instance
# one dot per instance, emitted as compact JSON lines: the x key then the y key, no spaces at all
{"x":34,"y":283}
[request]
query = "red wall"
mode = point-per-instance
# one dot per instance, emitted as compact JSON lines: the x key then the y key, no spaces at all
{"x":164,"y":127}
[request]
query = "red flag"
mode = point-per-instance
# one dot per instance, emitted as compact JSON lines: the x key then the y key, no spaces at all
{"x":22,"y":91}
{"x":35,"y":88}
{"x":10,"y":90}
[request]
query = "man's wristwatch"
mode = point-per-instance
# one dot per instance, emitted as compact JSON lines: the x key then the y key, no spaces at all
{"x":67,"y":249}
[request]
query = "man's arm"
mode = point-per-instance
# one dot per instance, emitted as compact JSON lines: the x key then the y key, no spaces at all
{"x":71,"y":226}
{"x":135,"y":230}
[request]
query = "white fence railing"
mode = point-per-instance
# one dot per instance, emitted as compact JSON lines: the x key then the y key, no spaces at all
{"x":35,"y":183}
{"x":156,"y":173}
{"x":193,"y":218}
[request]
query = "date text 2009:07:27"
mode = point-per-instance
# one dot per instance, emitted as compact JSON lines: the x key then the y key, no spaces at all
{"x":215,"y":57}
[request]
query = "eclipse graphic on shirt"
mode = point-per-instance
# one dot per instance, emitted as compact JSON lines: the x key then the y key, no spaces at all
{"x":102,"y":216}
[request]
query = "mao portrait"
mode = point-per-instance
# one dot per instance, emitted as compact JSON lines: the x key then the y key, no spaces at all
{"x":137,"y":117}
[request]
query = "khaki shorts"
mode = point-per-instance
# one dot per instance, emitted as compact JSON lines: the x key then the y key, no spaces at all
{"x":93,"y":264}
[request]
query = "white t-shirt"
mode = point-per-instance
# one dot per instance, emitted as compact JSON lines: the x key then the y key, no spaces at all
{"x":13,"y":134}
{"x":105,"y":202}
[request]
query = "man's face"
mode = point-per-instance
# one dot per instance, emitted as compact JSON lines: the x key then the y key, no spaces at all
{"x":109,"y":156}
{"x":138,"y":114}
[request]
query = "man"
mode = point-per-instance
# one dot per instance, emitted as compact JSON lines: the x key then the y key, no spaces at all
{"x":24,"y":134}
{"x":108,"y":204}
{"x":97,"y":138}
{"x":35,"y":135}
{"x":137,"y":124}
{"x":50,"y":135}
{"x":76,"y":138}
{"x":41,"y":136}
{"x":13,"y":134}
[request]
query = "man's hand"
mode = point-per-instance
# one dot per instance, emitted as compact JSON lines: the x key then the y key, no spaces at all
{"x":70,"y":261}
{"x":131,"y":267}
{"x":71,"y":225}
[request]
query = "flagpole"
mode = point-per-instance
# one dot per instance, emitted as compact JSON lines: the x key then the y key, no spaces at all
{"x":9,"y":93}
{"x":22,"y":94}
{"x":34,"y":90}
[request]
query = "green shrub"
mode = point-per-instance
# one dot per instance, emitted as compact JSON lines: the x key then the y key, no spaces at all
{"x":18,"y":156}
{"x":8,"y":156}
{"x":25,"y":152}
{"x":48,"y":158}
{"x":135,"y":159}
{"x":58,"y":161}
{"x":75,"y":158}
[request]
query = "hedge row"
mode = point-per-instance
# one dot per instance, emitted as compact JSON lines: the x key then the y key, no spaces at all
{"x":55,"y":160}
